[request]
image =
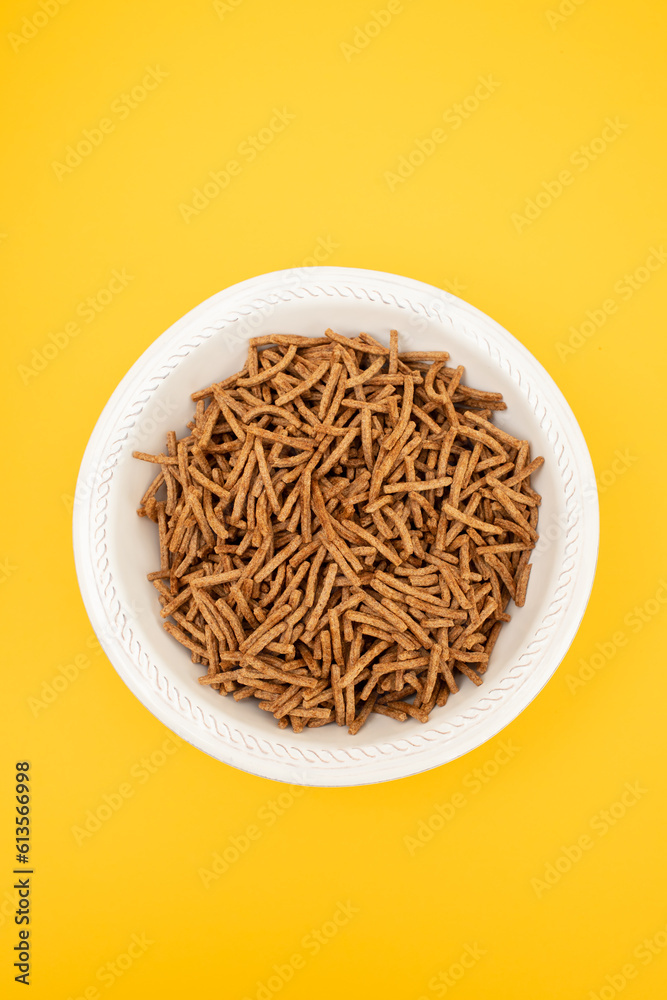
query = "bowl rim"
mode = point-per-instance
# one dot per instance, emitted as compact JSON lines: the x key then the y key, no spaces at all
{"x":387,"y":760}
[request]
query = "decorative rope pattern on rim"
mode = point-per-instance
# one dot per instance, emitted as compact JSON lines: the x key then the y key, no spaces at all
{"x":180,"y":701}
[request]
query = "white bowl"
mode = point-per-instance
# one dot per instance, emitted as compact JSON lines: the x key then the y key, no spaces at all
{"x":115,"y":549}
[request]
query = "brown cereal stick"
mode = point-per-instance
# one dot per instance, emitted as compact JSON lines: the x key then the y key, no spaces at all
{"x":276,"y":616}
{"x":418,"y":571}
{"x":348,"y":342}
{"x":153,"y":488}
{"x":302,"y":443}
{"x":183,"y":597}
{"x":465,"y":518}
{"x":381,"y":406}
{"x":286,"y":340}
{"x":484,"y":438}
{"x":362,"y":714}
{"x":514,"y":495}
{"x":419,"y":592}
{"x":502,"y":571}
{"x":339,"y":451}
{"x":266,"y":477}
{"x":383,"y":549}
{"x":278,"y":411}
{"x":325,"y":639}
{"x":336,"y":643}
{"x":423,"y":637}
{"x":371,"y":341}
{"x":288,"y":677}
{"x":311,"y":583}
{"x":280,"y":557}
{"x":350,"y":705}
{"x":223,"y":401}
{"x":197,"y":510}
{"x":490,"y":643}
{"x":352,"y":675}
{"x":404,"y":534}
{"x":215,"y":579}
{"x":417,"y":484}
{"x":329,"y":389}
{"x":446,"y":670}
{"x":156,"y":460}
{"x":391,"y":711}
{"x":294,"y":584}
{"x":212,"y":617}
{"x":522,"y":576}
{"x":507,"y":547}
{"x":224,"y":384}
{"x":415,"y":603}
{"x":404,"y":418}
{"x":323,"y":598}
{"x":477,"y":484}
{"x":516,"y":515}
{"x":366,"y":374}
{"x":286,"y":708}
{"x":338,"y":694}
{"x":162,"y":529}
{"x":237,"y":628}
{"x":184,"y":638}
{"x":392,"y":367}
{"x":469,"y":672}
{"x":304,"y":385}
{"x":442,"y":356}
{"x":492,"y":430}
{"x":525,"y":472}
{"x":271,"y":372}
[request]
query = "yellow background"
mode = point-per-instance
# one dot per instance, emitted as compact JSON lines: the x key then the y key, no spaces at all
{"x":454,"y":224}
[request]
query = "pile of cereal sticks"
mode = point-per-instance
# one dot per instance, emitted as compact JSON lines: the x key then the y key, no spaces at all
{"x":342,"y":530}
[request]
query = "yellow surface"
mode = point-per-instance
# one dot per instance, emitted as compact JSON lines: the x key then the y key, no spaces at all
{"x":130,"y":907}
